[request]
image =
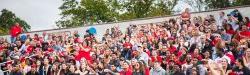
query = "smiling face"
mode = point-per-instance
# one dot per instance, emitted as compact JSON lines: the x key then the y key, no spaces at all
{"x":137,"y":65}
{"x":72,"y":68}
{"x":248,"y":52}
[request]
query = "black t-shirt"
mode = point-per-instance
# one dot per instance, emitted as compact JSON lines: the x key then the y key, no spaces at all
{"x":243,"y":71}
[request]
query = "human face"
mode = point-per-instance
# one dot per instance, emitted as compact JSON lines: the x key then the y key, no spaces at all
{"x":83,"y":66}
{"x":137,"y":66}
{"x":38,"y":62}
{"x":46,"y":61}
{"x":224,"y":63}
{"x":194,"y":71}
{"x":125,"y":65}
{"x":195,"y":60}
{"x":248,"y":52}
{"x":64,"y":66}
{"x":156,"y":65}
{"x":206,"y":54}
{"x":196,"y":51}
{"x":72,"y":68}
{"x":113,"y":67}
{"x":154,"y":53}
{"x":237,"y":63}
{"x":54,"y":67}
{"x":244,"y":28}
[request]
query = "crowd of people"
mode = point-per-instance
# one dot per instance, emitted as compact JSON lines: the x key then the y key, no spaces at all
{"x":180,"y":46}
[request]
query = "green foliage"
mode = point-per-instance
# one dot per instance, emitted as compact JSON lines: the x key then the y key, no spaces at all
{"x":92,"y":11}
{"x":241,"y":2}
{"x":202,"y":5}
{"x":7,"y":19}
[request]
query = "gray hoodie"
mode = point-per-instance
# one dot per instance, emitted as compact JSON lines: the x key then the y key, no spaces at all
{"x":157,"y":71}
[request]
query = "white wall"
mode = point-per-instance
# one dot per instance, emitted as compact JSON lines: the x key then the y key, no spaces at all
{"x":123,"y":25}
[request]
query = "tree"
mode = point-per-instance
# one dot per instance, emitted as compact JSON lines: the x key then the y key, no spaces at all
{"x":240,"y":2}
{"x":215,"y":4}
{"x":197,"y":5}
{"x":202,"y":5}
{"x":163,"y":7}
{"x":92,"y":11}
{"x":85,"y":12}
{"x":7,"y":19}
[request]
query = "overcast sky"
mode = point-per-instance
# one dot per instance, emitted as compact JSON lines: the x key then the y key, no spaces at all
{"x":40,"y":14}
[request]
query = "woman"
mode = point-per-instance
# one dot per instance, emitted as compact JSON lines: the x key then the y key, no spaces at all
{"x":229,"y":29}
{"x":246,"y":58}
{"x":193,"y":71}
{"x":247,"y":21}
{"x":63,"y":69}
{"x":55,"y":69}
{"x":39,"y":67}
{"x":85,"y":51}
{"x":46,"y":66}
{"x":72,"y":70}
{"x":83,"y":67}
{"x":138,"y":69}
{"x":241,"y":69}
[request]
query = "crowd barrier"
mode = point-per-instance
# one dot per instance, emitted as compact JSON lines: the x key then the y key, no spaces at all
{"x":124,"y":24}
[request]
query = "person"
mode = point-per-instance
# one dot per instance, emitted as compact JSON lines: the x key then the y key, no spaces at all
{"x":224,"y":36}
{"x":54,"y":69}
{"x":126,"y":69}
{"x":63,"y":69}
{"x":177,"y":70}
{"x":157,"y":69}
{"x":241,"y":69}
{"x":112,"y":70}
{"x":72,"y":70}
{"x":143,"y":55}
{"x":138,"y":69}
{"x":247,"y":21}
{"x":171,"y":47}
{"x":15,"y":30}
{"x":185,"y":16}
{"x":221,"y":19}
{"x":33,"y":70}
{"x":193,"y":71}
{"x":246,"y":58}
{"x":46,"y":67}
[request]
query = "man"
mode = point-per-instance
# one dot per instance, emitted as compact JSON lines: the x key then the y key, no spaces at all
{"x":226,"y":37}
{"x":126,"y":69}
{"x":221,"y":19}
{"x":157,"y":69}
{"x":142,"y":55}
{"x":15,"y":31}
{"x":126,"y":52}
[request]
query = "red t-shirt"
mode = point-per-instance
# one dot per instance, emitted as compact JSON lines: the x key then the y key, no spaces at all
{"x":199,"y":57}
{"x":85,"y":52}
{"x":127,"y":45}
{"x":248,"y":24}
{"x":128,"y":72}
{"x":172,"y":49}
{"x":230,"y":31}
{"x":158,"y":58}
{"x":245,"y":33}
{"x":1,"y":48}
{"x":29,"y":49}
{"x":15,"y":30}
{"x":185,"y":15}
{"x":147,"y":71}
